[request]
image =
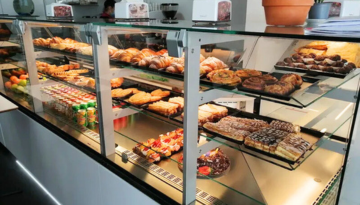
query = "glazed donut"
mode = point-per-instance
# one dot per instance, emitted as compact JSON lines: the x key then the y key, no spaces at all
{"x":292,"y":78}
{"x":255,"y":83}
{"x":269,"y":79}
{"x":223,"y":76}
{"x":280,"y":88}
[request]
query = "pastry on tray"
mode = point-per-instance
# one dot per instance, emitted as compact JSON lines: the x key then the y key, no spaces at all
{"x":217,"y":111}
{"x":269,"y":79}
{"x":155,"y":149}
{"x":285,"y":126}
{"x":248,"y":73}
{"x":251,"y":125}
{"x":159,"y":62}
{"x":212,"y":164}
{"x":210,"y":64}
{"x":165,"y":108}
{"x":160,"y":93}
{"x":203,"y":117}
{"x":254,"y":83}
{"x":116,"y":82}
{"x":292,"y":78}
{"x":222,"y":76}
{"x":120,"y":93}
{"x":280,"y":88}
{"x":226,"y":130}
{"x":292,"y":147}
{"x":178,"y":100}
{"x":140,"y":98}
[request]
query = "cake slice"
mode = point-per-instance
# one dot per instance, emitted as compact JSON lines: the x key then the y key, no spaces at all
{"x":227,"y":131}
{"x":292,"y":147}
{"x":218,"y":111}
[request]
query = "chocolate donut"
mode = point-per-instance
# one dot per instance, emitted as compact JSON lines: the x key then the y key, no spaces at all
{"x":281,"y":63}
{"x":288,"y":60}
{"x":303,"y":66}
{"x":335,"y":57}
{"x":339,"y":64}
{"x":314,"y":67}
{"x":269,"y":79}
{"x":352,"y":65}
{"x":299,"y":60}
{"x":255,"y":83}
{"x":313,"y":55}
{"x":319,"y":58}
{"x":296,"y":56}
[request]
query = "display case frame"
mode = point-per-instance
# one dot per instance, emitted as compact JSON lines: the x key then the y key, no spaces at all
{"x":192,"y":40}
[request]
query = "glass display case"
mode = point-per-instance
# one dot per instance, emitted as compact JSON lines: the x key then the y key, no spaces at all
{"x":204,"y":114}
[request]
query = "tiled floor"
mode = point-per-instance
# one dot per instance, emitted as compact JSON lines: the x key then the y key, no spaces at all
{"x":16,"y":187}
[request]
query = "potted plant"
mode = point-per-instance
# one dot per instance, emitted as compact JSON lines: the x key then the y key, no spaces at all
{"x":320,"y":10}
{"x":286,"y":12}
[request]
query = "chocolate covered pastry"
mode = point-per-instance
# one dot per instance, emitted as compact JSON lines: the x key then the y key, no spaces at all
{"x":285,"y":126}
{"x":292,"y":147}
{"x":227,"y":131}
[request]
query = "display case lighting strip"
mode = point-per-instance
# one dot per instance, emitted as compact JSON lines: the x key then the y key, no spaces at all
{"x":166,"y":176}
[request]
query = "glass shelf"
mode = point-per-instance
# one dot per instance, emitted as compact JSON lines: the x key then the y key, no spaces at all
{"x":140,"y":127}
{"x":317,"y":138}
{"x":300,"y":98}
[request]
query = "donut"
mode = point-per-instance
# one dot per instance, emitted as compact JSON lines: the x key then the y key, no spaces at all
{"x":269,"y":79}
{"x":255,"y":83}
{"x":281,"y":63}
{"x":292,"y":78}
{"x":222,"y":76}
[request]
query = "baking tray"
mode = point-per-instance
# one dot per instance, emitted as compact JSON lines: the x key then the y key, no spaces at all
{"x":313,"y":72}
{"x":310,"y":135}
{"x":308,"y":81}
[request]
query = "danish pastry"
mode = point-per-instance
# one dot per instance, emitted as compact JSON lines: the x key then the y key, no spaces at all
{"x":269,"y":79}
{"x":254,"y":83}
{"x":223,"y":76}
{"x":280,"y":88}
{"x":140,"y":98}
{"x":160,"y":93}
{"x":292,"y":78}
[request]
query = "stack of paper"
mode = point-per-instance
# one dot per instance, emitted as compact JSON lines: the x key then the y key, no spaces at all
{"x":344,"y":26}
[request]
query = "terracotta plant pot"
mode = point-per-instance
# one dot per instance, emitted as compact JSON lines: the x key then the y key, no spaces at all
{"x":286,"y":12}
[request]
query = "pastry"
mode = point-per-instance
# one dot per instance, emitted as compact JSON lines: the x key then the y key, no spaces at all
{"x":140,"y":98}
{"x":247,"y":73}
{"x":175,"y":68}
{"x":145,"y":62}
{"x":120,"y":93}
{"x":116,"y":82}
{"x":227,"y":131}
{"x":254,"y":83}
{"x":165,"y":108}
{"x":250,"y":125}
{"x":281,"y":63}
{"x":142,"y":54}
{"x":211,"y":64}
{"x":213,"y":163}
{"x":288,"y":60}
{"x":160,"y":93}
{"x":269,"y":79}
{"x":116,"y":54}
{"x":292,"y":147}
{"x":292,"y":78}
{"x":155,"y":98}
{"x":178,"y":100}
{"x":125,"y":56}
{"x":160,"y":62}
{"x":279,"y":88}
{"x":203,"y":117}
{"x":161,"y":52}
{"x":217,"y":111}
{"x":134,"y":90}
{"x":285,"y":126}
{"x":223,"y":76}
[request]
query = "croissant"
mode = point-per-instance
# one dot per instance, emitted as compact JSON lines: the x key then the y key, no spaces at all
{"x":133,"y":51}
{"x":56,"y":40}
{"x":142,"y":54}
{"x":145,"y":62}
{"x":175,"y":68}
{"x":68,"y":40}
{"x":117,"y":53}
{"x":111,"y":50}
{"x":160,"y":62}
{"x":161,"y":52}
{"x":210,"y":64}
{"x":126,"y":56}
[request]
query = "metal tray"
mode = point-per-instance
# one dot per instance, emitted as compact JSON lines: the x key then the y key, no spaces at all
{"x":313,"y":72}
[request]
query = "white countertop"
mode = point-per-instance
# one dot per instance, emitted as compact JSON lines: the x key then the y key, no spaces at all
{"x":6,"y":105}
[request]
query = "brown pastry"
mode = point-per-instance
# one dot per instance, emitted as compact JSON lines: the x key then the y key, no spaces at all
{"x":248,"y":73}
{"x":155,"y":98}
{"x":269,"y":79}
{"x":292,"y":147}
{"x":280,"y":88}
{"x":285,"y":126}
{"x":142,"y":54}
{"x":211,"y":64}
{"x":315,"y":67}
{"x":296,"y":56}
{"x":292,"y":78}
{"x":227,"y":131}
{"x":352,"y":65}
{"x":281,"y":63}
{"x":145,"y":62}
{"x":175,"y":68}
{"x":125,"y":56}
{"x":160,"y":93}
{"x":255,"y":83}
{"x":288,"y":60}
{"x":134,"y":90}
{"x":223,"y":76}
{"x":116,"y":82}
{"x":140,"y":98}
{"x":320,"y":58}
{"x":303,"y":66}
{"x":299,"y":60}
{"x":335,"y":57}
{"x":160,"y":62}
{"x":161,"y":52}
